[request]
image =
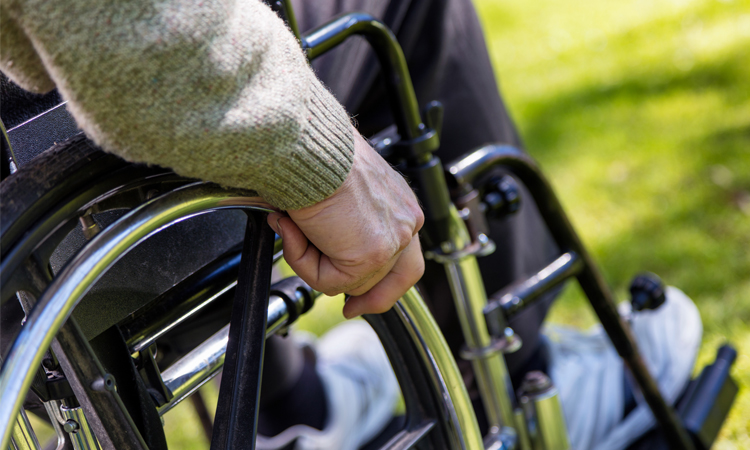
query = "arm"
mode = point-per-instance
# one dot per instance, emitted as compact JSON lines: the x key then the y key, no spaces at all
{"x":214,"y":90}
{"x":221,"y":91}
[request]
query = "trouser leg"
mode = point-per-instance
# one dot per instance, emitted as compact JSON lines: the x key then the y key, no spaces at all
{"x":292,"y":392}
{"x":448,"y":61}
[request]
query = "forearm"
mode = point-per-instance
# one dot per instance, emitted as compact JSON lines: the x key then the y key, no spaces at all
{"x":217,"y":92}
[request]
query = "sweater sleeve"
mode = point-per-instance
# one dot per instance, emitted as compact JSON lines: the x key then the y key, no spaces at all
{"x":217,"y":90}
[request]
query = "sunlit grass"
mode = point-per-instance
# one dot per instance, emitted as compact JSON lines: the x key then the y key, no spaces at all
{"x":640,"y":113}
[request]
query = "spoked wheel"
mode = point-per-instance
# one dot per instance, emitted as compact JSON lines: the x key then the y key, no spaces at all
{"x":76,"y":220}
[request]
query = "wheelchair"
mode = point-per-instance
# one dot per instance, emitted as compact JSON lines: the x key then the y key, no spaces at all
{"x":76,"y":221}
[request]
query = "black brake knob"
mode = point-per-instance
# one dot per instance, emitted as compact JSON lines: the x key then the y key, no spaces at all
{"x":647,"y":291}
{"x":502,"y":196}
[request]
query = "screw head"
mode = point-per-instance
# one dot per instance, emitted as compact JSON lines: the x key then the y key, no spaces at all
{"x":502,"y":196}
{"x":71,"y":426}
{"x":106,"y":383}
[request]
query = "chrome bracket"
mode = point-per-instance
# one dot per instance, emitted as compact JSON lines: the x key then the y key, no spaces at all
{"x":483,"y":246}
{"x":509,"y":343}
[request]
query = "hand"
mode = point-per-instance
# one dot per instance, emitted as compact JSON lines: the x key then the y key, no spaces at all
{"x":362,"y":240}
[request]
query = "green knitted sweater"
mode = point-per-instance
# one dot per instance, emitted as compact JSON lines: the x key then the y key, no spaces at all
{"x":218,"y":90}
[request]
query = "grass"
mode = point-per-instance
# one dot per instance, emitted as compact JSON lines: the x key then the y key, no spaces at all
{"x":639,"y":111}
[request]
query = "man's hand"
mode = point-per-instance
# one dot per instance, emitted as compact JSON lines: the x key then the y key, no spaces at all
{"x":362,"y":240}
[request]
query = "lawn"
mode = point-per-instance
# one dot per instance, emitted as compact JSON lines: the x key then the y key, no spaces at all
{"x":639,"y":111}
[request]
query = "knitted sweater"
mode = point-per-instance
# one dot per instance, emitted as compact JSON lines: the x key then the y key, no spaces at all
{"x":218,"y":90}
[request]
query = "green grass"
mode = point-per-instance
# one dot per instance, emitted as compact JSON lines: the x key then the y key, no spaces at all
{"x":639,"y":111}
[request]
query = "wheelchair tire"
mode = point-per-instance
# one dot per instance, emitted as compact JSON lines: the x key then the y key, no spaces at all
{"x":43,"y":200}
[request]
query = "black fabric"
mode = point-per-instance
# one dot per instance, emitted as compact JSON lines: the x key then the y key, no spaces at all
{"x":303,"y":402}
{"x":448,"y":60}
{"x":283,"y":365}
{"x":17,"y":105}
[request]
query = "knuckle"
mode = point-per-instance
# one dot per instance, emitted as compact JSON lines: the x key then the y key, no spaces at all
{"x":418,"y":269}
{"x":379,"y":257}
{"x":420,"y":219}
{"x":326,"y":289}
{"x":404,"y":237}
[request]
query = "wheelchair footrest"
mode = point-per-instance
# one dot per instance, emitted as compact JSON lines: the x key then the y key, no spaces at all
{"x":703,"y":405}
{"x":707,"y":400}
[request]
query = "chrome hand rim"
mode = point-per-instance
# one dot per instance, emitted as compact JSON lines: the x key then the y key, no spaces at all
{"x":67,"y":289}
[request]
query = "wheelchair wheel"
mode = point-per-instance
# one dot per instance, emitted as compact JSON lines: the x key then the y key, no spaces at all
{"x":76,"y":221}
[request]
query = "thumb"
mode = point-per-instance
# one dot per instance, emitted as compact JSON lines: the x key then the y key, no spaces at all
{"x":273,"y":222}
{"x":303,"y":257}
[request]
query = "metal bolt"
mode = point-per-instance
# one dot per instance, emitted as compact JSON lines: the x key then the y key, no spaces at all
{"x":535,"y":382}
{"x":89,"y":226}
{"x":71,"y":426}
{"x":106,"y":383}
{"x":49,"y":364}
{"x":502,"y":197}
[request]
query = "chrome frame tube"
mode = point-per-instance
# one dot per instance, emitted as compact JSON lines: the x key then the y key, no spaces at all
{"x":390,"y":55}
{"x":470,"y":298}
{"x":81,"y":435}
{"x":204,"y":362}
{"x":23,"y":437}
{"x":446,"y":378}
{"x":550,"y":431}
{"x":66,"y":290}
{"x":148,"y":336}
{"x":53,"y":411}
{"x":140,"y":337}
{"x":195,"y":369}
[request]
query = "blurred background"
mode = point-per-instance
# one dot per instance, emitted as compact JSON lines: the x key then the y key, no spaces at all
{"x":639,"y":112}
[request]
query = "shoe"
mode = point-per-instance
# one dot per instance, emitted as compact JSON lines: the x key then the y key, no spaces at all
{"x":360,"y":387}
{"x":589,"y":374}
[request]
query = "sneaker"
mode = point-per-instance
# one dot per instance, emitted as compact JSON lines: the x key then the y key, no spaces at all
{"x":589,"y":374}
{"x":361,"y":390}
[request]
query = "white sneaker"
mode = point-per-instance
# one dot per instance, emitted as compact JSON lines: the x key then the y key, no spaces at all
{"x":360,"y":387}
{"x":588,"y":373}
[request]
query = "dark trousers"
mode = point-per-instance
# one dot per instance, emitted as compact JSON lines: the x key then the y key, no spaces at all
{"x":448,"y":61}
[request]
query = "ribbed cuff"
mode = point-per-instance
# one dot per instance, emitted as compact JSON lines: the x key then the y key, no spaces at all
{"x":323,"y":158}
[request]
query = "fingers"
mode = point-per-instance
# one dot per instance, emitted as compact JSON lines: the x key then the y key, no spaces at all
{"x":309,"y":263}
{"x":407,"y":270}
{"x":296,"y":245}
{"x":360,"y":240}
{"x":375,"y":278}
